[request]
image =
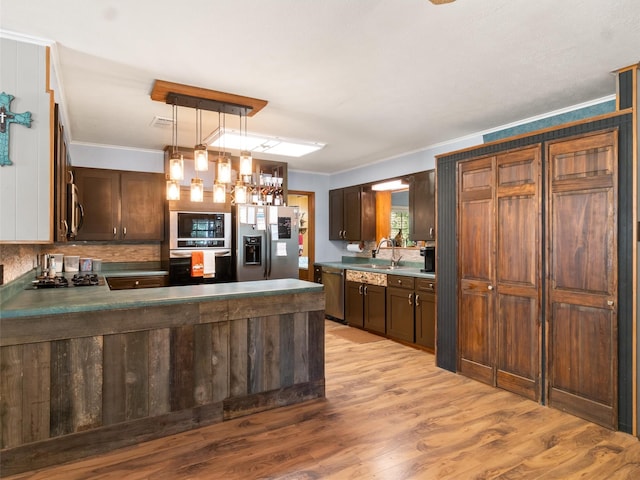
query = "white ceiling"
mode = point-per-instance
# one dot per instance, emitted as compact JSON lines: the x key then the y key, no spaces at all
{"x":370,"y":78}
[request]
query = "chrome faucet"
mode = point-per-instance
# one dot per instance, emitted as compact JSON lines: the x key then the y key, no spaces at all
{"x":394,"y":260}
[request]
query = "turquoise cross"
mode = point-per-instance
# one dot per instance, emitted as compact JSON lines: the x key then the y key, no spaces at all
{"x":7,"y":117}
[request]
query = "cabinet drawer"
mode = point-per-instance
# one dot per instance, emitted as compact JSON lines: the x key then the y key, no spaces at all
{"x":400,"y":281}
{"x":425,"y":285}
{"x":144,"y":281}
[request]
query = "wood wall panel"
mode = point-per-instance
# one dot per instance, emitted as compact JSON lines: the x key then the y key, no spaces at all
{"x":300,"y":353}
{"x":287,"y":349}
{"x":60,"y":417}
{"x":36,"y":362}
{"x":159,"y":371}
{"x":182,"y":368}
{"x":238,"y":357}
{"x":11,"y":404}
{"x":67,"y":398}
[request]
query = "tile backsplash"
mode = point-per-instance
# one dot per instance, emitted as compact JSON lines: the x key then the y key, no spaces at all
{"x":19,"y":259}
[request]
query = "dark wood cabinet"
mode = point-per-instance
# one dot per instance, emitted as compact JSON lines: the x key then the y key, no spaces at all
{"x":411,"y":310}
{"x":141,"y":281}
{"x":61,"y":177}
{"x":400,"y":308}
{"x":365,"y":306}
{"x":582,"y":302}
{"x":499,"y":255}
{"x":425,"y":312}
{"x":120,"y":205}
{"x":354,"y":304}
{"x":422,"y":206}
{"x":352,"y":214}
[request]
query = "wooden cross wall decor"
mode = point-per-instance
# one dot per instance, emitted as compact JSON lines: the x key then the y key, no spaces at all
{"x":7,"y":117}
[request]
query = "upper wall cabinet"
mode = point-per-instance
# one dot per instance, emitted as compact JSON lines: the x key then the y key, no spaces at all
{"x":422,"y":202}
{"x":352,"y":214}
{"x":120,"y":205}
{"x":61,"y":177}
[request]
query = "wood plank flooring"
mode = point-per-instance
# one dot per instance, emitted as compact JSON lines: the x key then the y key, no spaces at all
{"x":389,"y":414}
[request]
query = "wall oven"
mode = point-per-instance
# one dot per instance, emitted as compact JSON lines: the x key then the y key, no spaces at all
{"x":199,"y":231}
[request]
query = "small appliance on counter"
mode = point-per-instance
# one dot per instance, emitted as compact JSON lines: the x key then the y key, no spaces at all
{"x":429,"y":254}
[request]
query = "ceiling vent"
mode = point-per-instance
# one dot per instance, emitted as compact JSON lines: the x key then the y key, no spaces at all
{"x":162,"y":122}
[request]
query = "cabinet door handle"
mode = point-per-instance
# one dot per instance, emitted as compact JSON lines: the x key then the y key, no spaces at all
{"x":124,"y":232}
{"x":360,"y":289}
{"x":610,"y":303}
{"x":490,"y":287}
{"x":431,"y":286}
{"x":410,"y":298}
{"x":365,"y":290}
{"x":431,"y":232}
{"x":66,"y":228}
{"x":417,"y":300}
{"x":115,"y":231}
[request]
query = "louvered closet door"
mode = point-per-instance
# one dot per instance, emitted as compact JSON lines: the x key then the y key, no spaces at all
{"x":518,"y":272}
{"x":476,"y":251}
{"x":583,"y":277}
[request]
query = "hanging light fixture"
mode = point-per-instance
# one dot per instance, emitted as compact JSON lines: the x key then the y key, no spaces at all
{"x":176,"y":162}
{"x":246,"y":161}
{"x":224,"y":163}
{"x":197,"y":190}
{"x":200,"y":154}
{"x":240,"y":193}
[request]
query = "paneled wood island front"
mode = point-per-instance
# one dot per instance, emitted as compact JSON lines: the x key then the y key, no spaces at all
{"x":85,"y":371}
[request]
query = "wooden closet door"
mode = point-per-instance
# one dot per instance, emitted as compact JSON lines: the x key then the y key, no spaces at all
{"x":518,"y":272}
{"x":476,"y":252}
{"x":582,"y":277}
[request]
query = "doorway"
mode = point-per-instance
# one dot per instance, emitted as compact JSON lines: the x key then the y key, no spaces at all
{"x":306,"y":204}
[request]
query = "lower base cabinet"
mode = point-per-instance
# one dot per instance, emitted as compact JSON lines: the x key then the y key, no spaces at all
{"x":365,"y":306}
{"x":400,"y":308}
{"x":411,"y":310}
{"x":425,"y":302}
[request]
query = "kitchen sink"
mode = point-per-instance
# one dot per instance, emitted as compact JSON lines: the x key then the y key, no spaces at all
{"x":377,"y":266}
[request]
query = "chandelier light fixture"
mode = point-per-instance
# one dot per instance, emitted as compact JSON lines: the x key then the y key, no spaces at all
{"x":239,"y":183}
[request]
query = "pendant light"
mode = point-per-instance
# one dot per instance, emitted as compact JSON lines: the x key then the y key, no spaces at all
{"x":240,"y":193}
{"x":200,"y":154}
{"x":201,"y":163}
{"x":197,"y":190}
{"x":176,"y":162}
{"x":224,"y":163}
{"x":246,"y":162}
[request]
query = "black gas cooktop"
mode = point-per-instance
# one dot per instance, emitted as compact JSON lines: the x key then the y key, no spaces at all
{"x":78,"y":280}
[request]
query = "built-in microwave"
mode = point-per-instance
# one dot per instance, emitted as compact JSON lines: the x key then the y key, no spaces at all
{"x":199,"y":230}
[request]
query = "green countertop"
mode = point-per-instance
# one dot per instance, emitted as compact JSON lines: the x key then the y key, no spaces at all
{"x":51,"y":301}
{"x":363,"y":264}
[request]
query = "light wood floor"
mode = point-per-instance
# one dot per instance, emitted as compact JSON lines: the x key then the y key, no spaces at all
{"x":389,"y":414}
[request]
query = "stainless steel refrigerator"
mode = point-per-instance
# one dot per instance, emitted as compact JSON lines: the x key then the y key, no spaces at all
{"x":265,"y":242}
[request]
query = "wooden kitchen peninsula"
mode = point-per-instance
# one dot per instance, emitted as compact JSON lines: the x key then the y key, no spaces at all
{"x":87,"y":370}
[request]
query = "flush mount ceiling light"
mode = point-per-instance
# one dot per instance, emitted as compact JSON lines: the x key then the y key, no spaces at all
{"x":440,"y":2}
{"x":389,"y":186}
{"x":258,"y":143}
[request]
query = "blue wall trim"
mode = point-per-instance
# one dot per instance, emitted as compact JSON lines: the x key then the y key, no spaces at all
{"x":574,"y":115}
